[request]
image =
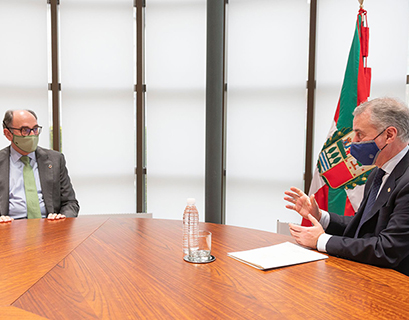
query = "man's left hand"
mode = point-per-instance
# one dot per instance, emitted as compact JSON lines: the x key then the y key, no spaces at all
{"x":307,"y":236}
{"x":55,"y":216}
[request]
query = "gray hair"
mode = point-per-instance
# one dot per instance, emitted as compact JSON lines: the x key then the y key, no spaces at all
{"x":387,"y":112}
{"x":8,"y":118}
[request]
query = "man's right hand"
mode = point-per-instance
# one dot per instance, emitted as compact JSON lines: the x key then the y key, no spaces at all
{"x":4,"y":219}
{"x":303,"y":204}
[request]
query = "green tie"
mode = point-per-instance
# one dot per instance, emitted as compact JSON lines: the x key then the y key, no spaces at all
{"x":33,"y":205}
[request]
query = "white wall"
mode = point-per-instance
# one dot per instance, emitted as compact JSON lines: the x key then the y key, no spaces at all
{"x":175,"y":105}
{"x":97,"y":103}
{"x":267,"y":72}
{"x":23,"y":61}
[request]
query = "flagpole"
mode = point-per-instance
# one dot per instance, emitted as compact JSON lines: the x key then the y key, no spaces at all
{"x":361,"y":2}
{"x":310,"y":97}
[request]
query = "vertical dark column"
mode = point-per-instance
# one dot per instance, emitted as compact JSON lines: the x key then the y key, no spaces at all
{"x":310,"y":96}
{"x":215,"y":112}
{"x":140,"y":89}
{"x":55,"y":86}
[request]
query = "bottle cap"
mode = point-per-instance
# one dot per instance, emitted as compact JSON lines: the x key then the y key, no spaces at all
{"x":191,"y":201}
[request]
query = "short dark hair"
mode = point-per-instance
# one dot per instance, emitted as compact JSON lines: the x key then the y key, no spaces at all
{"x":8,"y":117}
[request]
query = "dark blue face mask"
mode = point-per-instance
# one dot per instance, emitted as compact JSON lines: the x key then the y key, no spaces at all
{"x":366,"y":152}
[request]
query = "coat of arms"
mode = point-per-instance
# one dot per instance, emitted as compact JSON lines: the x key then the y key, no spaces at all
{"x":336,"y":165}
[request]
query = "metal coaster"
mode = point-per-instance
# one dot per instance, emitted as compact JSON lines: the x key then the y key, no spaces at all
{"x":212,"y":258}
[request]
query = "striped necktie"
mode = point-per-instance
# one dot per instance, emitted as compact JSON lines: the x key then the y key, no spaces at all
{"x":373,"y":194}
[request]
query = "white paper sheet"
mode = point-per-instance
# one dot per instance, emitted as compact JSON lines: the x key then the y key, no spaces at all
{"x":280,"y":255}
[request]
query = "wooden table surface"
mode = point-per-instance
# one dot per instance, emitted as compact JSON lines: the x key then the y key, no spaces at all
{"x":133,"y":268}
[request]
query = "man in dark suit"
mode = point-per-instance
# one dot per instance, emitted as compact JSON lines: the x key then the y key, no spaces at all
{"x":378,"y":233}
{"x":56,"y":197}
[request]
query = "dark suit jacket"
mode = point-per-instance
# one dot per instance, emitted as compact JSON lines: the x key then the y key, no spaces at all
{"x":383,"y":239}
{"x":58,"y":194}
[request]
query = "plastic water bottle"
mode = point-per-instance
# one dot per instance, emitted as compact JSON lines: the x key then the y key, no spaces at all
{"x":190,"y":226}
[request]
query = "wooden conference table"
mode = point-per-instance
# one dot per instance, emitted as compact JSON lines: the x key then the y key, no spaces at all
{"x":130,"y":268}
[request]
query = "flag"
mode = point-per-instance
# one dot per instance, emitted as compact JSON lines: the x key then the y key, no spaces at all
{"x":338,"y":179}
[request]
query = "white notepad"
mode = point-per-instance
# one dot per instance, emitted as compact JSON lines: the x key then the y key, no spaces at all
{"x":279,"y":255}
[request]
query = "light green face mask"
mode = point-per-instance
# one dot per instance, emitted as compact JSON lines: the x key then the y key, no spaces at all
{"x":27,"y":144}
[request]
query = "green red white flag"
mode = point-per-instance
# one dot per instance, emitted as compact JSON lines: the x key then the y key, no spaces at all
{"x":338,"y":180}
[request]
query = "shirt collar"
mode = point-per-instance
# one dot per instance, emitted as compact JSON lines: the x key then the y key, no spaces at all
{"x":392,"y":163}
{"x":15,"y":155}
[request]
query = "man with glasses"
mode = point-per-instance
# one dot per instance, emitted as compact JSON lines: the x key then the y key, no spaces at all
{"x":378,"y":233}
{"x":34,"y":181}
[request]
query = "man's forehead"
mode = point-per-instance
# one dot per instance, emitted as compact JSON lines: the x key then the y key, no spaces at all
{"x":357,"y":123}
{"x":21,"y":113}
{"x":362,"y":123}
{"x":23,"y":116}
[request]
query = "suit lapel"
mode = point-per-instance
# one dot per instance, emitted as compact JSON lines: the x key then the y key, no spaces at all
{"x":388,"y":187}
{"x":5,"y":180}
{"x":353,"y":225}
{"x":45,"y":173}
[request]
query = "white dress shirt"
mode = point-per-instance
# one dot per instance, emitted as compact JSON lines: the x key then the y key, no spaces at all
{"x":17,"y":194}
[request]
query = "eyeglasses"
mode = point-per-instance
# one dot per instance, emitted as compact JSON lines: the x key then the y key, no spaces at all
{"x":26,"y":131}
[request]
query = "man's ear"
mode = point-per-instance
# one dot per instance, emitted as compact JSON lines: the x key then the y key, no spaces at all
{"x":8,"y":134}
{"x":391,"y":134}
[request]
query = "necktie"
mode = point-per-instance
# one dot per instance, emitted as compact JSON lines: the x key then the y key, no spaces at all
{"x":372,"y":197}
{"x":33,"y":205}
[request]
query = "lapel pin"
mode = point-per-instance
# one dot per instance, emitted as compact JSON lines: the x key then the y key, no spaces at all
{"x":50,"y":166}
{"x":389,"y":189}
